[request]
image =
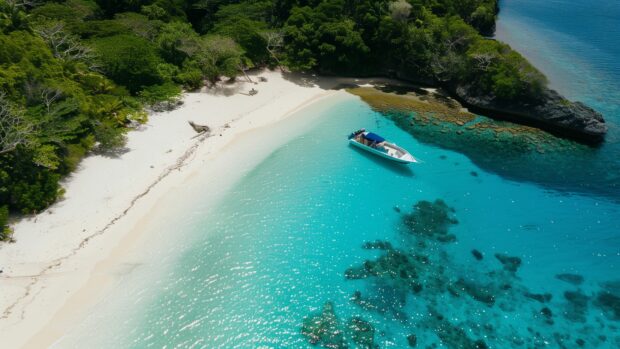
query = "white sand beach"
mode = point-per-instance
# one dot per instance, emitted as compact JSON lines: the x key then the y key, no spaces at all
{"x":64,"y":257}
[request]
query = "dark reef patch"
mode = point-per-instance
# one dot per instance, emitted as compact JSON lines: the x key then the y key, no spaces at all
{"x":547,"y":314}
{"x":576,"y":306}
{"x":431,"y":220}
{"x":573,"y":279}
{"x":412,"y":340}
{"x":441,"y":302}
{"x":324,"y":328}
{"x":395,"y":271}
{"x":608,"y":300}
{"x":362,"y":333}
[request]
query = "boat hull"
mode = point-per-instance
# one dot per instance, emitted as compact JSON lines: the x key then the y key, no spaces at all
{"x":405,"y":160}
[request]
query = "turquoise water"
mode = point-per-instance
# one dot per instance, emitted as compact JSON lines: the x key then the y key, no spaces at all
{"x":277,"y":248}
{"x":281,"y":243}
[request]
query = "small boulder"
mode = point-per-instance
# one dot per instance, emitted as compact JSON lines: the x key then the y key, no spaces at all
{"x":510,"y":263}
{"x":477,"y":254}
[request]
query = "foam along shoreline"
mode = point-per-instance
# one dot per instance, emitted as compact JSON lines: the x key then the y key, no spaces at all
{"x":62,"y":257}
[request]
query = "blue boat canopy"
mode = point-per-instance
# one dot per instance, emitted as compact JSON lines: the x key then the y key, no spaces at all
{"x":373,"y":137}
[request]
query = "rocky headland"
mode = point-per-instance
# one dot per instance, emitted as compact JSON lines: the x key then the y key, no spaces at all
{"x":549,"y":111}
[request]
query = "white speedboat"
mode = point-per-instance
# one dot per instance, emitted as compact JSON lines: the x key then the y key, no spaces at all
{"x":377,"y":145}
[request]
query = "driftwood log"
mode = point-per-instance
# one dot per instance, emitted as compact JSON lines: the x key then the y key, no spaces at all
{"x":199,"y":128}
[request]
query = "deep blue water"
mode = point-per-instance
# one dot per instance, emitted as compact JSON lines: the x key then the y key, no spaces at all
{"x":575,"y":43}
{"x":278,"y":246}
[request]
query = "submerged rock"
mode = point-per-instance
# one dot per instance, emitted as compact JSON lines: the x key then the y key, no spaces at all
{"x":362,"y":333}
{"x":477,"y":254}
{"x":324,"y":329}
{"x":412,"y":340}
{"x":540,"y":297}
{"x":510,"y":263}
{"x":609,"y":303}
{"x":547,"y":314}
{"x":431,"y":220}
{"x":573,"y":279}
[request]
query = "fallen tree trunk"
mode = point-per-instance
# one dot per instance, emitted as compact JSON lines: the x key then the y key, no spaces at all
{"x":199,"y":128}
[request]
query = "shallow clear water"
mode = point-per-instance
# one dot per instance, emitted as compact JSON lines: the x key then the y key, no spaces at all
{"x":277,"y":247}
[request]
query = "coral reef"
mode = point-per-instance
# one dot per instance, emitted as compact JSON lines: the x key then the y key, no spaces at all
{"x":437,"y":301}
{"x":431,"y":219}
{"x":394,"y":267}
{"x":362,"y":333}
{"x":324,"y":328}
{"x":507,"y":149}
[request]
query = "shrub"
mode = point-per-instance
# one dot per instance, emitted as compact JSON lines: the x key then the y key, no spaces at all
{"x":190,"y":77}
{"x":130,"y":61}
{"x":162,"y":97}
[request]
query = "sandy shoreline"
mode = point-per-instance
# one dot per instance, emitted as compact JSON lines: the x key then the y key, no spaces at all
{"x":62,"y":255}
{"x":67,"y":256}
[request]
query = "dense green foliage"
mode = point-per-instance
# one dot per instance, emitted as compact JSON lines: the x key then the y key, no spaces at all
{"x":5,"y":231}
{"x":75,"y":73}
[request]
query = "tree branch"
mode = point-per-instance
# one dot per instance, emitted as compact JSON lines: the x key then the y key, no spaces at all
{"x":14,"y":130}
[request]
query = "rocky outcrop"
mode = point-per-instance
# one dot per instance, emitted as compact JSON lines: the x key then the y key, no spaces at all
{"x":550,"y":111}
